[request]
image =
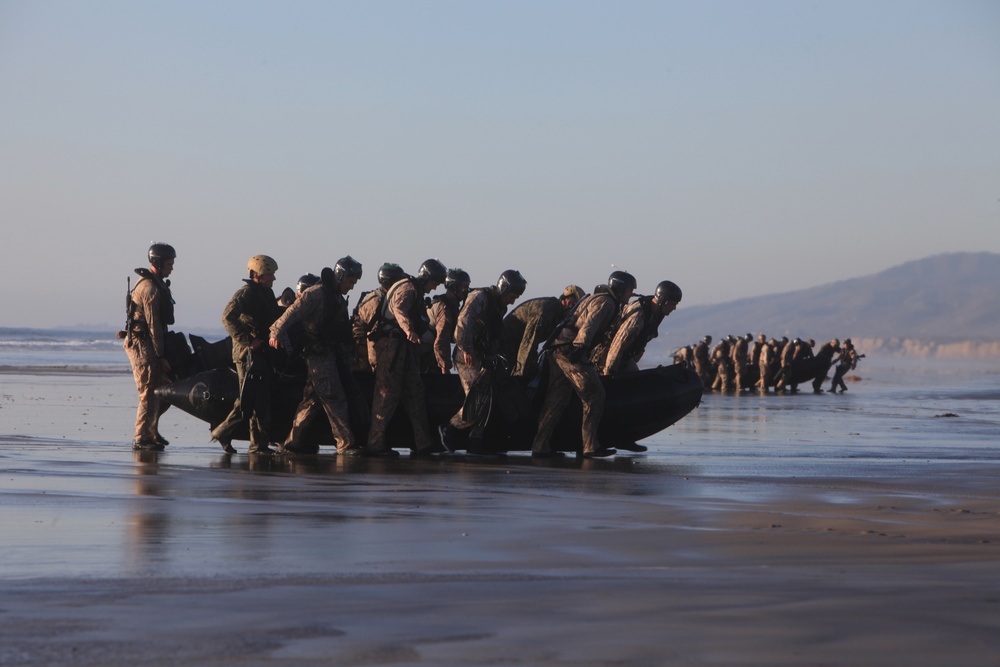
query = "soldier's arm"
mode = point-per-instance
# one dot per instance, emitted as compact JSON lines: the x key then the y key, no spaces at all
{"x":151,"y":312}
{"x":400,"y":302}
{"x":627,"y":332}
{"x":443,"y":326}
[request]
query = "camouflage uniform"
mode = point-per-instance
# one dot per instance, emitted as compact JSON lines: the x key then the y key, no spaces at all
{"x":397,"y":367}
{"x":322,"y":310}
{"x":444,"y":318}
{"x":739,"y":357}
{"x":765,"y":362}
{"x":247,"y":318}
{"x":638,"y":324}
{"x":152,"y":311}
{"x":723,"y":367}
{"x":702,"y":363}
{"x":362,"y":326}
{"x":477,"y":334}
{"x":524,"y":329}
{"x":570,"y":370}
{"x":785,"y":370}
{"x":848,"y":360}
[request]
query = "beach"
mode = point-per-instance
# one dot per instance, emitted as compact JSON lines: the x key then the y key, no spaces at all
{"x":861,"y":529}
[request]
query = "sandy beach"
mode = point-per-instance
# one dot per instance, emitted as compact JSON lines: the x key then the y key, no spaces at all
{"x":192,"y":557}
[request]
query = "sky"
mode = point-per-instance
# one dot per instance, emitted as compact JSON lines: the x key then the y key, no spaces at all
{"x":736,"y":148}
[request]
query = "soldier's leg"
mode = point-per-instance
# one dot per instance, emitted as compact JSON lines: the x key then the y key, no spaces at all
{"x":142,"y":373}
{"x":324,"y":377}
{"x":414,"y":400}
{"x":585,"y":381}
{"x":224,"y":431}
{"x":388,"y":389}
{"x":557,"y":395}
{"x":467,"y":375}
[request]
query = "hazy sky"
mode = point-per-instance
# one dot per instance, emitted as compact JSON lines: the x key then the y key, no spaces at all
{"x":737,"y":148}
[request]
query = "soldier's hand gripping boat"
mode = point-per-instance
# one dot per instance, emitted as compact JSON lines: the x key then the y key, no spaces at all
{"x":638,"y":404}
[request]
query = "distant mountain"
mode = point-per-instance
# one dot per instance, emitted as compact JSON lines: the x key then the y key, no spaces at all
{"x":944,"y":298}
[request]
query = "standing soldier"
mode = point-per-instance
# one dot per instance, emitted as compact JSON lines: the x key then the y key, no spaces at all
{"x":365,"y":321}
{"x":477,"y":342}
{"x":766,"y":364}
{"x":702,"y":361}
{"x":530,"y":324}
{"x":784,"y":376}
{"x":740,"y":354}
{"x":150,"y":312}
{"x":723,"y":365}
{"x":248,"y":318}
{"x":403,"y":319}
{"x":570,"y":368}
{"x":322,"y":310}
{"x":848,"y":360}
{"x":444,"y":316}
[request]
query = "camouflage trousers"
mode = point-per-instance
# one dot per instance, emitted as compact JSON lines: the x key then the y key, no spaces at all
{"x":723,"y":376}
{"x":397,"y":380}
{"x":256,"y":416}
{"x":148,"y":376}
{"x":469,"y":375}
{"x":765,"y":380}
{"x":324,"y":392}
{"x":838,"y":377}
{"x":566,"y":377}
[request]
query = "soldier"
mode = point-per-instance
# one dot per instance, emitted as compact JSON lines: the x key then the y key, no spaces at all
{"x":444,"y":316}
{"x":247,"y":318}
{"x":848,"y":360}
{"x":150,"y":312}
{"x":723,"y":364}
{"x":403,"y":319}
{"x":570,"y":368}
{"x":477,"y":342}
{"x":639,"y":324}
{"x":530,"y":324}
{"x":365,"y":321}
{"x":784,"y":375}
{"x":739,"y":352}
{"x":825,"y":359}
{"x":702,"y":361}
{"x":322,"y":311}
{"x":766,"y":364}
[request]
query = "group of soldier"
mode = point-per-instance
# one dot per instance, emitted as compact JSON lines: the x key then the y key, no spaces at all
{"x":399,"y":334}
{"x":740,"y":364}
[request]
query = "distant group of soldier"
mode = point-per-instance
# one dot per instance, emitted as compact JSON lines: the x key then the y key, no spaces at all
{"x":740,"y":364}
{"x":399,"y":334}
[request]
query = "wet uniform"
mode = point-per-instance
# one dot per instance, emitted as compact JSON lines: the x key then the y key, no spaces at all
{"x":526,"y":327}
{"x":152,"y":311}
{"x":477,"y":334}
{"x":639,"y":324}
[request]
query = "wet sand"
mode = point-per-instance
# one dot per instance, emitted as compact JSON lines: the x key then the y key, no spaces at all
{"x":191,"y":557}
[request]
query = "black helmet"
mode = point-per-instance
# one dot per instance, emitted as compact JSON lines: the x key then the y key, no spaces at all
{"x":511,"y":282}
{"x":305,"y":282}
{"x":159,"y":252}
{"x":456,"y":280}
{"x":667,"y":291}
{"x":389,"y":274}
{"x":432,"y":271}
{"x":620,"y":282}
{"x":347,"y":267}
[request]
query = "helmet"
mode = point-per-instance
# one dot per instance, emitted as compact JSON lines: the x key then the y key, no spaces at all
{"x":305,"y":282}
{"x":847,"y":341}
{"x":573,"y":291}
{"x":390,"y":274}
{"x":835,"y":343}
{"x":261,"y":264}
{"x":511,"y":282}
{"x":667,"y":291}
{"x":456,"y":279}
{"x":158,"y":252}
{"x":621,"y":282}
{"x":347,"y":267}
{"x":433,"y":271}
{"x":707,"y":339}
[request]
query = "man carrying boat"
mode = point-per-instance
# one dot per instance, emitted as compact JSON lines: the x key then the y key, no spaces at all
{"x":443,"y":315}
{"x":327,"y":336}
{"x":477,"y":340}
{"x":570,"y":368}
{"x":402,"y":321}
{"x":150,"y":312}
{"x":247,"y":318}
{"x":364,"y":321}
{"x":530,"y":324}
